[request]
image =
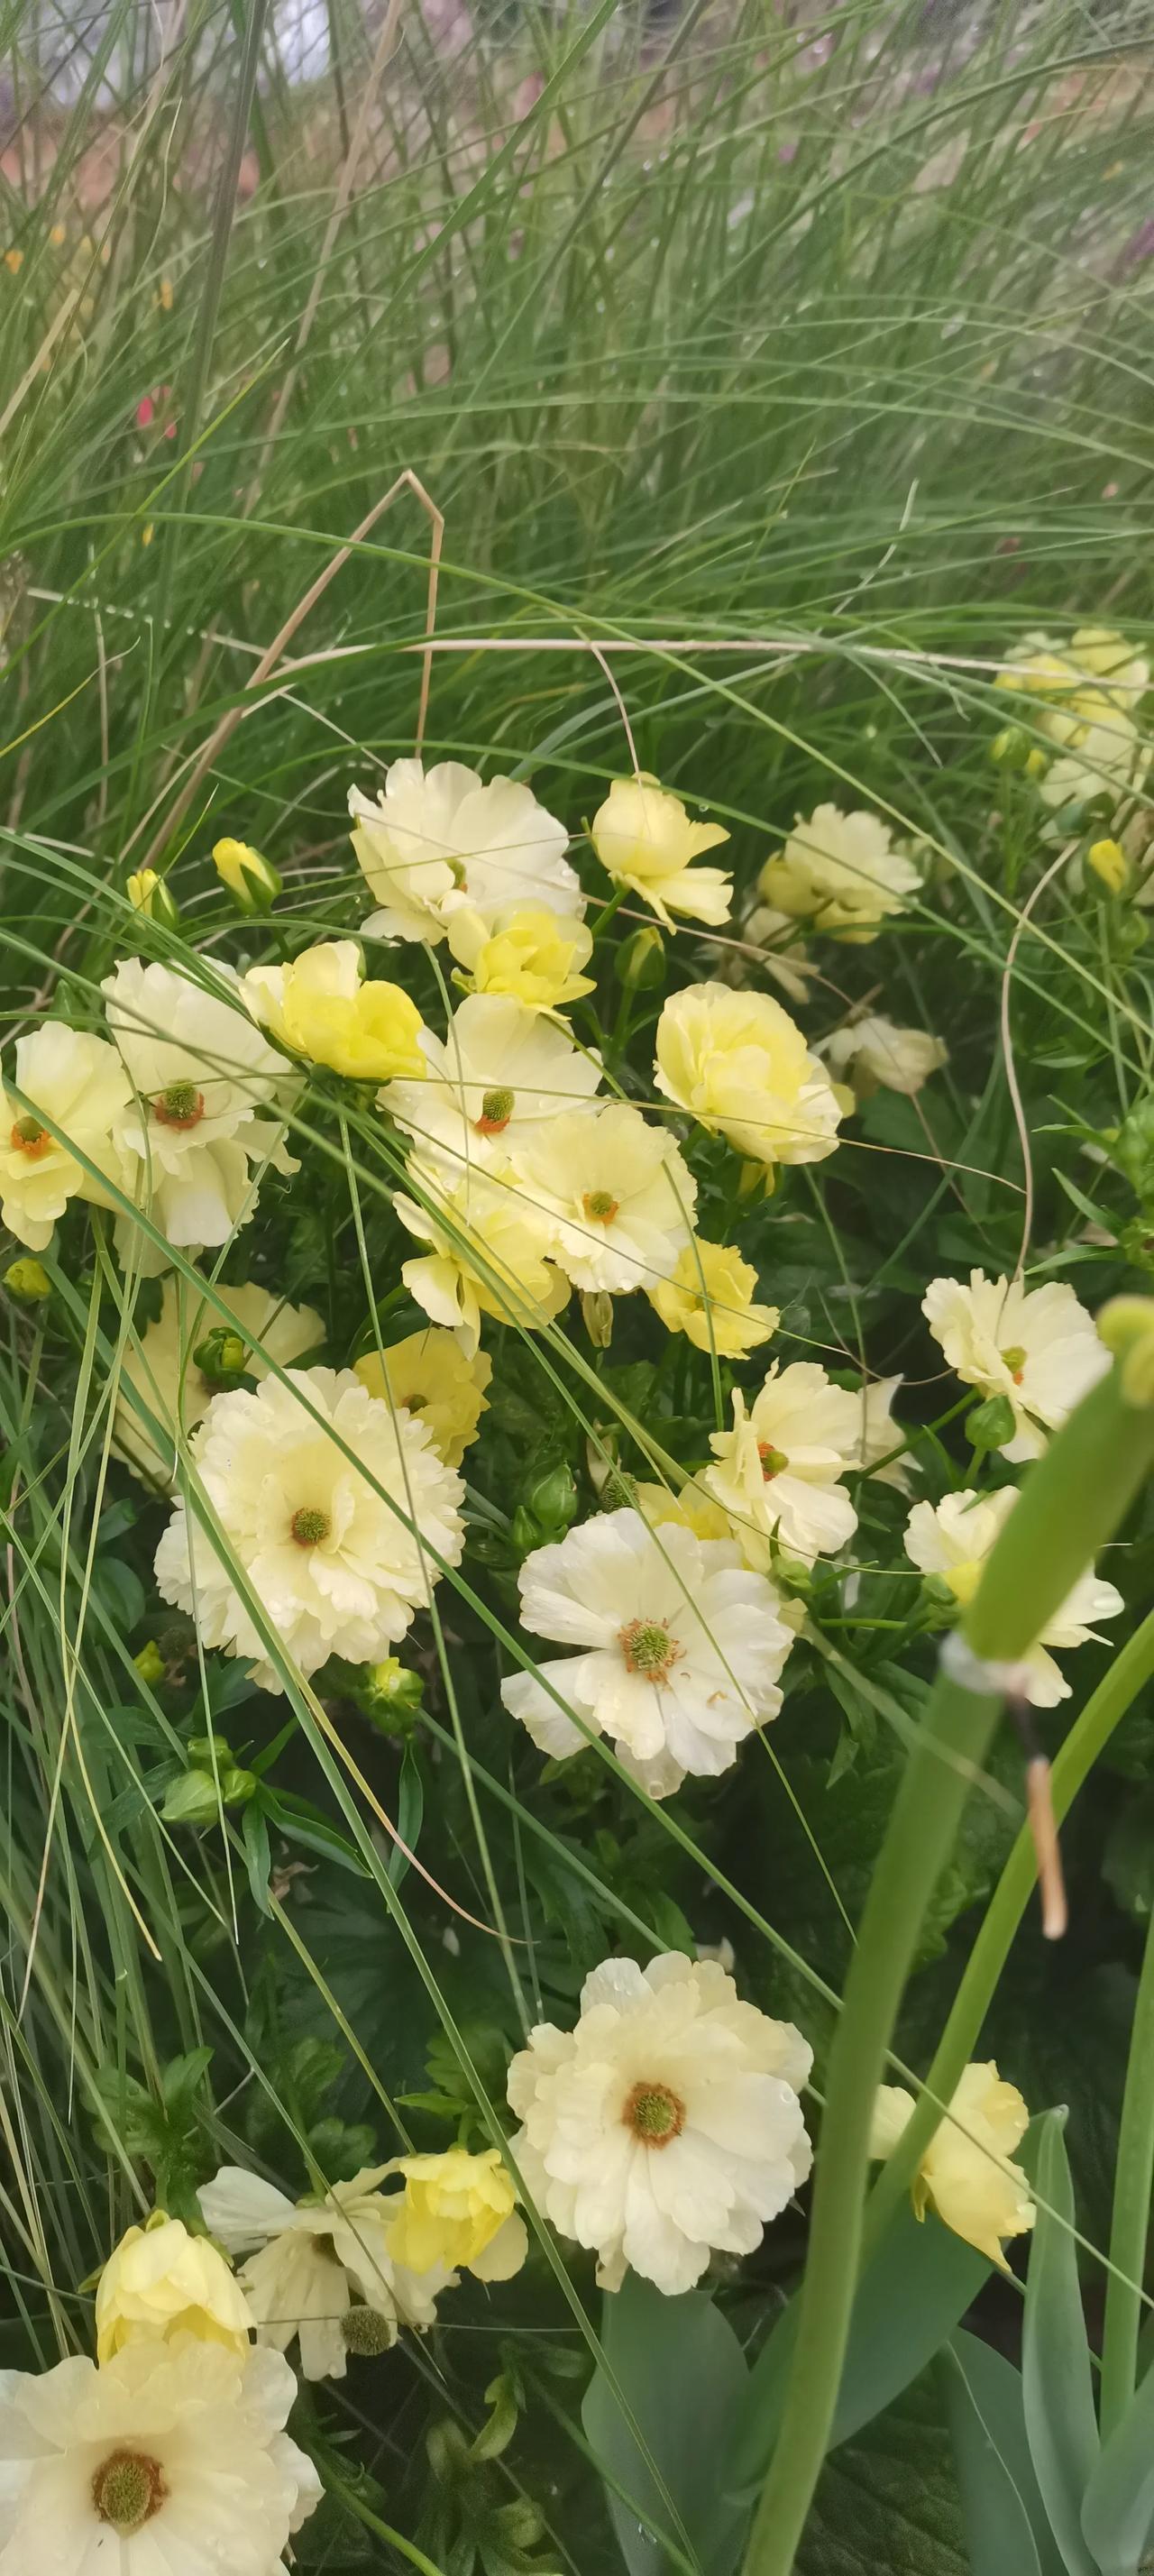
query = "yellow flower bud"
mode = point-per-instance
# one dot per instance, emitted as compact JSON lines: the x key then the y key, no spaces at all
{"x":162,"y":2282}
{"x":458,"y":2210}
{"x":148,"y":893}
{"x":252,"y":881}
{"x":1109,"y":861}
{"x":28,"y":1282}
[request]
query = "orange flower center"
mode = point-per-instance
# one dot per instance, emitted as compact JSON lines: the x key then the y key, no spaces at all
{"x":655,"y":2114}
{"x":601,"y":1206}
{"x":182,"y":1105}
{"x":496,"y":1110}
{"x":649,"y":1649}
{"x":29,"y":1137}
{"x":772,"y":1460}
{"x":127,"y":2489}
{"x":309,"y":1526}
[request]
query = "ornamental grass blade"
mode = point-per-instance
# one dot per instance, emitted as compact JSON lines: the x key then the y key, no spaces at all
{"x":1057,"y":2386}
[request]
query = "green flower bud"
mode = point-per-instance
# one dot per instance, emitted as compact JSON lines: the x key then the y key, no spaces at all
{"x":388,"y":1693}
{"x":553,"y":1500}
{"x":222,"y":1356}
{"x":597,"y":1317}
{"x":991,"y":1424}
{"x":640,"y":962}
{"x":28,"y":1282}
{"x":150,"y":1663}
{"x":191,"y":1800}
{"x":148,"y":893}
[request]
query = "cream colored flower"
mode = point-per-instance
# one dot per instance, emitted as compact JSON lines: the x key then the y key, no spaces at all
{"x":783,"y":955}
{"x":429,"y":1374}
{"x":1036,"y":1346}
{"x":458,"y":2213}
{"x":500,"y":1075}
{"x":163,"y":1370}
{"x":161,"y":2282}
{"x":165,"y":2461}
{"x":844,"y":870}
{"x":531,"y":956}
{"x":708,"y":1296}
{"x":330,"y":1559}
{"x":487,"y":1257}
{"x":309,"y":2260}
{"x":208,"y":1092}
{"x":953,"y":1538}
{"x":681,"y":1645}
{"x":666,"y":2125}
{"x":615,"y":1194}
{"x":320,"y":1007}
{"x":966,"y":2175}
{"x":1104,"y":754}
{"x":778,"y":1472}
{"x":643,"y":837}
{"x":874,"y":1052}
{"x":741,"y":1065}
{"x":1043,"y":668}
{"x":438,"y":841}
{"x":80,"y":1084}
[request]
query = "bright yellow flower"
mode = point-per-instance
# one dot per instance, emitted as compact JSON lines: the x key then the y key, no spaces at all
{"x":141,"y":889}
{"x":458,"y":2210}
{"x":430,"y":1375}
{"x":966,"y":2174}
{"x":160,"y":2282}
{"x":643,"y":837}
{"x":319,"y":1007}
{"x":252,"y":880}
{"x":1109,"y":861}
{"x":711,"y":1291}
{"x":740,"y":1064}
{"x":533,"y":956}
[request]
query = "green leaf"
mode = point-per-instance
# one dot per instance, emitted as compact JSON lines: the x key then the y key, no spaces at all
{"x":887,"y":2503}
{"x":258,"y":1857}
{"x":1056,"y":2380}
{"x":410,"y":1811}
{"x":1006,"y":2524}
{"x":681,"y":2369}
{"x":1118,"y":2506}
{"x":920,"y":2282}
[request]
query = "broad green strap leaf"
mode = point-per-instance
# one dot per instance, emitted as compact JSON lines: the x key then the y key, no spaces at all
{"x":1118,"y":2507}
{"x":920,"y":2282}
{"x":1007,"y":2529}
{"x":1056,"y":2380}
{"x":682,"y":2371}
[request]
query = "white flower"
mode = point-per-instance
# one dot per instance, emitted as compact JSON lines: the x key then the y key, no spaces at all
{"x":740,"y":1064}
{"x":80,"y":1084}
{"x":617,"y":1192}
{"x":953,"y":1538}
{"x":309,"y":2260}
{"x":667,"y":2124}
{"x":1036,"y":1346}
{"x":879,"y":1434}
{"x":162,"y":1369}
{"x":898,"y":1059}
{"x":779,"y":1470}
{"x":205,"y":1079}
{"x":438,"y":841}
{"x":333,"y":1565}
{"x":682,"y":1647}
{"x":500,"y":1074}
{"x":843,"y":869}
{"x":170,"y":2460}
{"x":488,"y":1255}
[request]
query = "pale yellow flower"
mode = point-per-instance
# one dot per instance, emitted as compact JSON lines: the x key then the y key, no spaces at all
{"x":644,"y":837}
{"x":79,"y":1083}
{"x":1103,"y":752}
{"x":458,"y":2211}
{"x":163,"y":1369}
{"x":709,"y":1298}
{"x":320,"y":1008}
{"x":439,"y":841}
{"x":965,"y":2174}
{"x":1036,"y":1346}
{"x":779,"y":1472}
{"x":430,"y":1375}
{"x":741,"y":1065}
{"x":533,"y":956}
{"x":615,"y":1194}
{"x":487,"y":1257}
{"x":160,"y":2282}
{"x":252,"y":880}
{"x":875,"y":1053}
{"x":844,"y":870}
{"x":690,"y":1508}
{"x":952,"y":1540}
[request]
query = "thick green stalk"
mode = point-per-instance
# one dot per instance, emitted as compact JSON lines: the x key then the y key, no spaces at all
{"x":1129,"y":2225}
{"x":1091,"y":1731}
{"x":1069,"y":1506}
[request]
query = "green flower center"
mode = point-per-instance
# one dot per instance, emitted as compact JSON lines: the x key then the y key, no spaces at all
{"x":182,"y":1105}
{"x":310,"y":1525}
{"x":772,"y":1460}
{"x":654,"y":2114}
{"x":1015,"y":1359}
{"x":496,"y":1110}
{"x":127,"y":2490}
{"x":600,"y":1204}
{"x":29,"y":1137}
{"x":648,"y":1649}
{"x":366,"y":2332}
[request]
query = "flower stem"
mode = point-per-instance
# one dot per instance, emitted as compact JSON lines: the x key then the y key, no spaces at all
{"x":1129,"y":2226}
{"x":1069,"y":1505}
